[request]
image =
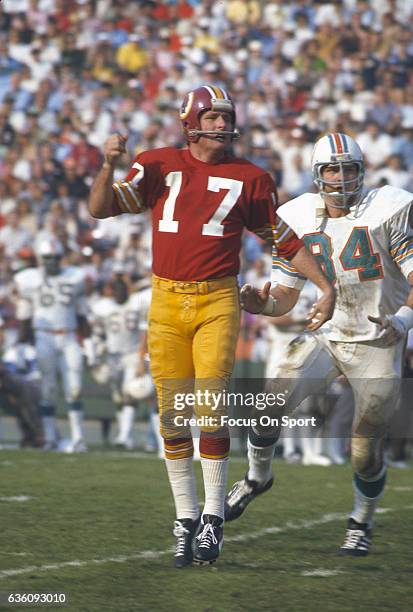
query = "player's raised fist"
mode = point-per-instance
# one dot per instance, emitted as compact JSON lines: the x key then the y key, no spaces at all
{"x":114,"y":147}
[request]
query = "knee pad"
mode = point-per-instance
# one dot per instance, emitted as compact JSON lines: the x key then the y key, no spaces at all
{"x":263,"y":436}
{"x":367,"y":456}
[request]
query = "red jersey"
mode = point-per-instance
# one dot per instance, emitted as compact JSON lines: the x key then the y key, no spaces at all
{"x":199,"y":211}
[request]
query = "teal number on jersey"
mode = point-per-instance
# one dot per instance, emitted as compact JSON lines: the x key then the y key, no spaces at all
{"x":320,"y":246}
{"x":357,"y":254}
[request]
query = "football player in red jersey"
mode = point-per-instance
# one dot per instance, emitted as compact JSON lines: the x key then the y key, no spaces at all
{"x":201,"y":198}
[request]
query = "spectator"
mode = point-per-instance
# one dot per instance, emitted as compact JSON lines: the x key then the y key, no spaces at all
{"x":14,"y":236}
{"x":392,"y":173}
{"x":375,"y":144}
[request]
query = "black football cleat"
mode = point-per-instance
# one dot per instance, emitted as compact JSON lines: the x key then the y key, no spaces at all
{"x":357,"y":540}
{"x":242,"y":494}
{"x":209,"y":540}
{"x":184,"y":531}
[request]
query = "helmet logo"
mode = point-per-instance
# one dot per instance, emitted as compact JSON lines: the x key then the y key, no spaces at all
{"x":186,"y":108}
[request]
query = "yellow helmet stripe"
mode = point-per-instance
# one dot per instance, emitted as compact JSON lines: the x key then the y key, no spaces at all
{"x":219,"y":93}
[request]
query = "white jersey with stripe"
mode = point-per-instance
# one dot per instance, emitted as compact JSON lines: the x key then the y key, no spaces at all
{"x":122,"y":324}
{"x":368,"y":255}
{"x":52,"y":302}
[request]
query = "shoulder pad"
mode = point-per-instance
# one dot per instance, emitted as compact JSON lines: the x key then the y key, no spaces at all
{"x":300,"y":213}
{"x":382,"y":203}
{"x":28,"y":278}
{"x":103,"y":307}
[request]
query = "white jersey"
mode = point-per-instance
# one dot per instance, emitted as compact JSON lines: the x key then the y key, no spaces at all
{"x":122,"y":324}
{"x":52,"y":302}
{"x":368,"y":254}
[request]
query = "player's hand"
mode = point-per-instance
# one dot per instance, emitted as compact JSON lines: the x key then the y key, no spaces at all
{"x":391,"y":330}
{"x":322,"y":310}
{"x":114,"y":147}
{"x":253,"y":300}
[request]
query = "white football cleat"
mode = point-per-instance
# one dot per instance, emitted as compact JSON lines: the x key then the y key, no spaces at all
{"x":316,"y":460}
{"x":75,"y":447}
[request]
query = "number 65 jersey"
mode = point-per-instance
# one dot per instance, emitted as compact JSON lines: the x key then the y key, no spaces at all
{"x":53,"y":302}
{"x":367,"y":254}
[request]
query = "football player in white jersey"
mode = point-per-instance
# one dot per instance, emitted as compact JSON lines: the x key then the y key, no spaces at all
{"x":119,"y":321}
{"x":52,"y":305}
{"x":364,"y":241}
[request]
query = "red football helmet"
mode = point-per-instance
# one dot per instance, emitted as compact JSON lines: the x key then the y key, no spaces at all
{"x":207,"y":97}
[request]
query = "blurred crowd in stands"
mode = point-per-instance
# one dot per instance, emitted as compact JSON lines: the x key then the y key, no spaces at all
{"x":74,"y":71}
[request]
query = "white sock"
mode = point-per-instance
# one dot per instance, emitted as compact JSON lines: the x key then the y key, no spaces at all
{"x":364,"y":507}
{"x":119,"y":418}
{"x":196,"y":433}
{"x":311,"y":445}
{"x":260,"y":462}
{"x":215,"y":472}
{"x":155,"y":422}
{"x":288,"y":446}
{"x":183,"y":484}
{"x":336,"y":447}
{"x":76,"y":425}
{"x":128,"y":418}
{"x":49,"y":428}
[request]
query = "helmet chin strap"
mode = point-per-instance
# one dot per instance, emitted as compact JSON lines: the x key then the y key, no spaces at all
{"x":234,"y":134}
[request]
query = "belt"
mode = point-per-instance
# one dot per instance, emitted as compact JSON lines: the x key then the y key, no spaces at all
{"x":199,"y":287}
{"x":55,"y":331}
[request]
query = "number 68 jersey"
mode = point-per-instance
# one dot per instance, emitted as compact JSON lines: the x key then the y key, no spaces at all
{"x":367,"y":254}
{"x":53,"y":302}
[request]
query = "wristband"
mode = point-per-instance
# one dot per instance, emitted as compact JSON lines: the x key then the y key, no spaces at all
{"x":403,"y":317}
{"x":270,"y":307}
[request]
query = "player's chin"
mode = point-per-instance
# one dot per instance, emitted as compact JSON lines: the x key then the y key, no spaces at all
{"x":219,"y":142}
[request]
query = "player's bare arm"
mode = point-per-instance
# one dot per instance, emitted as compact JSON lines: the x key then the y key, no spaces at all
{"x":102,"y":196}
{"x":396,"y":326}
{"x":323,"y":309}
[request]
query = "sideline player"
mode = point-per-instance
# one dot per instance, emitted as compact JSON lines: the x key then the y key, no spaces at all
{"x":52,"y":305}
{"x":119,"y":322}
{"x":201,"y":197}
{"x":364,"y":241}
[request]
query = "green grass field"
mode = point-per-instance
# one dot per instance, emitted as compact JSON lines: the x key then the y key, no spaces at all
{"x":98,"y":528}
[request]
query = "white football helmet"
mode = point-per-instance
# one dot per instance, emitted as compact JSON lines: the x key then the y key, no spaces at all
{"x":338,"y":149}
{"x":139,"y":388}
{"x":50,"y":252}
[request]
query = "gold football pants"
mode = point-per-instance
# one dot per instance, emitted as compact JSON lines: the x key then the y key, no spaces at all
{"x":193,"y":330}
